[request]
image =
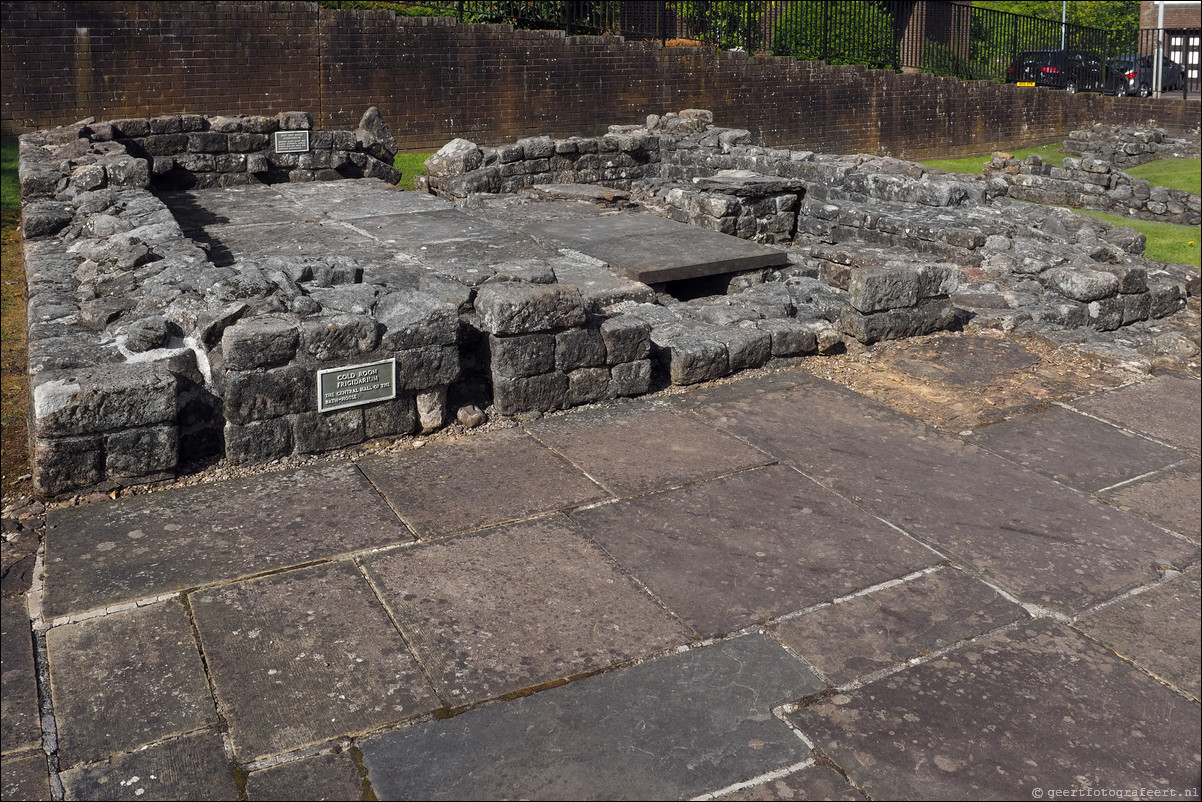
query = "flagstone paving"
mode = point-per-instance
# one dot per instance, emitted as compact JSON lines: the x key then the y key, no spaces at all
{"x":765,"y":588}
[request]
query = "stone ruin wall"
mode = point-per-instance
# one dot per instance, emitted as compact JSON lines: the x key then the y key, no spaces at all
{"x":1094,"y":179}
{"x":146,"y":356}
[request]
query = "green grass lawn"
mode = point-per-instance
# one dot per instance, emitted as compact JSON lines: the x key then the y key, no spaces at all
{"x":410,"y":164}
{"x":10,"y":192}
{"x":975,"y":165}
{"x":1172,"y":173}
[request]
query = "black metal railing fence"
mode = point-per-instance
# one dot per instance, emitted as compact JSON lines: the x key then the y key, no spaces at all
{"x":946,"y":38}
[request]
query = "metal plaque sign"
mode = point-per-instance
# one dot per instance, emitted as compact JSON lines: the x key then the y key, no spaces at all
{"x":355,"y":385}
{"x":291,"y":141}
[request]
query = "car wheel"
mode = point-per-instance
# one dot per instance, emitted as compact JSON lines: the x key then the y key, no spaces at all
{"x":1144,"y":90}
{"x":1071,"y":88}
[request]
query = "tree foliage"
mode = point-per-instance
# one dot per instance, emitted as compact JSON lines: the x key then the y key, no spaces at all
{"x":1110,"y":15}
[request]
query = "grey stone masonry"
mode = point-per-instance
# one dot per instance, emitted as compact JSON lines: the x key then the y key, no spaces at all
{"x":1127,"y":147}
{"x":150,"y":351}
{"x":1092,"y":182}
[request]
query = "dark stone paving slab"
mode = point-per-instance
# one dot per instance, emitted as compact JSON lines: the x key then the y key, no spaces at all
{"x":963,"y":361}
{"x":813,"y":782}
{"x":437,"y":225}
{"x":303,"y":656}
{"x":445,"y":488}
{"x":320,"y":777}
{"x":732,"y":552}
{"x":867,"y":633}
{"x":456,"y":257}
{"x":25,"y":777}
{"x":126,"y":679}
{"x":1013,"y":716}
{"x":1169,"y":498}
{"x":1158,"y":629}
{"x":653,"y":250}
{"x":631,"y":451}
{"x":200,"y":209}
{"x":190,"y":768}
{"x":20,"y":727}
{"x":102,"y":554}
{"x":671,"y":728}
{"x":1167,"y":407}
{"x":1081,"y":451}
{"x":1043,"y":542}
{"x":359,"y":198}
{"x":517,"y":607}
{"x":313,"y":240}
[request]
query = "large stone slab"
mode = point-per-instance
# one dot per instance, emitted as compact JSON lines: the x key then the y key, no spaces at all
{"x":319,"y":777}
{"x":671,"y":728}
{"x":191,"y":768}
{"x":359,"y":198}
{"x":198,"y":210}
{"x":1045,"y":543}
{"x":1018,"y":714}
{"x":1169,"y":498}
{"x":631,"y":451}
{"x":653,"y":250}
{"x":309,"y":239}
{"x":868,"y":633}
{"x":20,"y":726}
{"x":1168,"y":408}
{"x":1081,"y":451}
{"x":103,"y":669}
{"x":445,"y":488}
{"x":736,"y":551}
{"x":25,"y":777}
{"x":1157,"y":629}
{"x":816,"y":781}
{"x":139,"y":547}
{"x":304,"y":656}
{"x":438,"y":225}
{"x":517,"y":607}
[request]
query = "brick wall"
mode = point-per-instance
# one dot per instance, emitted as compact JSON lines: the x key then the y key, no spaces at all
{"x":435,"y":80}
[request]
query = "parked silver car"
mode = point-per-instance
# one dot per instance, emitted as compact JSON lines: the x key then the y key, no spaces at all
{"x":1135,"y":74}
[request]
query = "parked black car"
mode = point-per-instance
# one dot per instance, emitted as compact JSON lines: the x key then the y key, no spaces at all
{"x":1070,"y":70}
{"x":1136,"y":74}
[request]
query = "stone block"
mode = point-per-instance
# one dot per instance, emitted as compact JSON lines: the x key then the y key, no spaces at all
{"x":587,"y":385}
{"x":875,"y":289}
{"x":690,"y":358}
{"x":455,"y":158}
{"x":260,"y":394}
{"x":208,"y":142}
{"x":1080,"y":283}
{"x":258,"y":441}
{"x":579,"y":348}
{"x":926,"y":317}
{"x":374,"y":136}
{"x":789,"y":337}
{"x":61,"y":464}
{"x":103,"y":399}
{"x":428,"y":366}
{"x":141,"y":451}
{"x":295,"y":121}
{"x":126,"y":171}
{"x":937,"y":280}
{"x":314,"y":432}
{"x":1106,"y":314}
{"x":630,"y":378}
{"x":1131,"y":278}
{"x":746,"y":348}
{"x":521,"y":355}
{"x":432,"y":408}
{"x":627,"y":339}
{"x":542,"y":393}
{"x":1136,"y":307}
{"x":44,"y":218}
{"x":261,"y":342}
{"x":416,"y":319}
{"x":339,"y":336}
{"x":518,"y":308}
{"x":1163,"y":299}
{"x":391,"y":418}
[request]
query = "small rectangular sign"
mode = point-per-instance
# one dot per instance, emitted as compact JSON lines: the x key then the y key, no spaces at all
{"x":291,"y":141}
{"x":355,"y":385}
{"x":1026,"y":83}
